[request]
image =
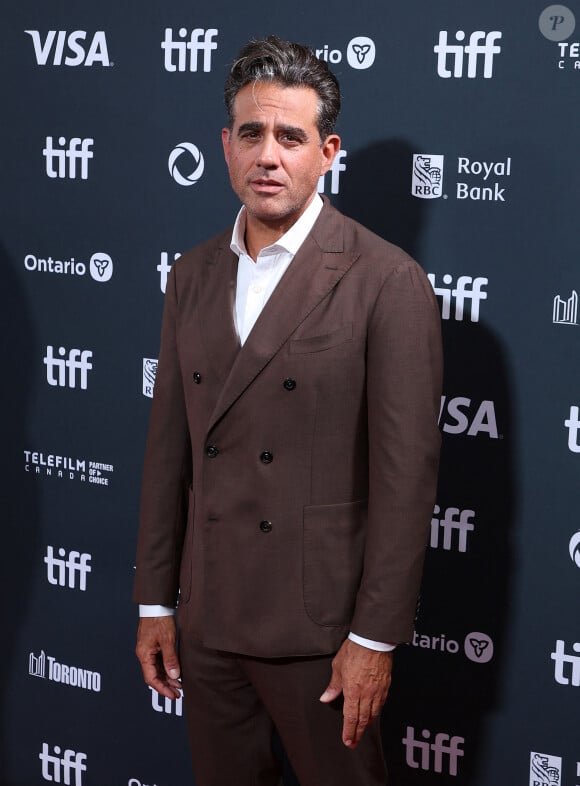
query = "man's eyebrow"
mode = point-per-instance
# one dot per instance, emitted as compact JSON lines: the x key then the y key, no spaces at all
{"x":255,"y":125}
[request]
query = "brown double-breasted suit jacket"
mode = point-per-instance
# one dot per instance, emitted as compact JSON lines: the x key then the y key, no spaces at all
{"x":289,"y":484}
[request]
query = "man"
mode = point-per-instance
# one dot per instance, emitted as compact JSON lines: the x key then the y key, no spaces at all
{"x":292,"y":454}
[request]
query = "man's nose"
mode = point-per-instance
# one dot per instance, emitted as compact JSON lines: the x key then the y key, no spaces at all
{"x":268,"y":154}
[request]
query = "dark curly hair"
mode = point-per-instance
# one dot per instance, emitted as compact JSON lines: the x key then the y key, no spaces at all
{"x":291,"y":65}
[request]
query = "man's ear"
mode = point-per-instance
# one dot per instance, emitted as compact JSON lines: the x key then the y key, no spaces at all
{"x":226,"y":138}
{"x":329,"y":149}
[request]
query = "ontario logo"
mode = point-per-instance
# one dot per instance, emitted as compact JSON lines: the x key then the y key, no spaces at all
{"x":427,"y":175}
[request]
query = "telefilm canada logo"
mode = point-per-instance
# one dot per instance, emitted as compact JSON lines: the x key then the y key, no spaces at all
{"x":360,"y":53}
{"x":149,"y":372}
{"x":476,"y":180}
{"x":557,"y":23}
{"x":186,"y":164}
{"x":47,"y":667}
{"x":67,"y":468}
{"x":545,"y":770}
{"x":99,"y":266}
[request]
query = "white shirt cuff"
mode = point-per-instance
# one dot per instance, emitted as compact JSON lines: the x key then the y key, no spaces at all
{"x":155,"y":611}
{"x":380,"y":646}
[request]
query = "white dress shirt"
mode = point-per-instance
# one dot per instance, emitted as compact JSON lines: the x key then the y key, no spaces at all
{"x":255,"y":283}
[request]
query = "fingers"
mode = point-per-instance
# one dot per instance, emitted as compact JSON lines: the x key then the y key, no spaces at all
{"x":157,"y":655}
{"x":358,"y":713}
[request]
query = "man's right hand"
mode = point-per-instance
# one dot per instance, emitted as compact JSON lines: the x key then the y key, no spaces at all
{"x":156,"y":652}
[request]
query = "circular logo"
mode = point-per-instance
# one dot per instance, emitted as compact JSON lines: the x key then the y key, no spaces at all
{"x":101,"y":266}
{"x":184,"y":150}
{"x":478,"y":647}
{"x":556,"y":22}
{"x":575,"y":549}
{"x":361,"y":52}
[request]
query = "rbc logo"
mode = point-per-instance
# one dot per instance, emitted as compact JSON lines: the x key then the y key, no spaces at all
{"x":473,"y":50}
{"x":427,"y":176}
{"x":199,"y":41}
{"x":56,"y":41}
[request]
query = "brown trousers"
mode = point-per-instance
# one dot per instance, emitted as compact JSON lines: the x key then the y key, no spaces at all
{"x":232,"y":704}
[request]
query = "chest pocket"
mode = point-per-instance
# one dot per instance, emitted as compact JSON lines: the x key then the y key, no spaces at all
{"x":321,"y":343}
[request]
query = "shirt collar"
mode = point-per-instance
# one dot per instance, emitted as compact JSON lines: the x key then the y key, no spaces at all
{"x":290,"y":241}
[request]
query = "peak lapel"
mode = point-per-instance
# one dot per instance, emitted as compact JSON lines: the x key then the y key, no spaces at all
{"x":316,"y":269}
{"x":218,"y":295}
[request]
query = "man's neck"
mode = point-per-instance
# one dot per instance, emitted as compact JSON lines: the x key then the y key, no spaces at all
{"x":260,"y":234}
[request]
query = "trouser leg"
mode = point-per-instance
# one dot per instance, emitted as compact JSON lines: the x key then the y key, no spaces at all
{"x":230,"y":731}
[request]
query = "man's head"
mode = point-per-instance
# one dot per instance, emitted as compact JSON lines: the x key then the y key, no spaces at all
{"x":289,"y":65}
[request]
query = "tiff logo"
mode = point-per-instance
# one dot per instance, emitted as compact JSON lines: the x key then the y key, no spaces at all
{"x":565,"y":312}
{"x":164,"y":267}
{"x":336,"y":168}
{"x":61,"y":770}
{"x":561,"y":659}
{"x":453,"y":520}
{"x":199,"y":41}
{"x":473,"y":50}
{"x":573,"y":425}
{"x":56,"y":41}
{"x":445,"y":749}
{"x":168,"y":706}
{"x":78,"y":150}
{"x":467,"y":289}
{"x":77,"y":360}
{"x":63,"y":572}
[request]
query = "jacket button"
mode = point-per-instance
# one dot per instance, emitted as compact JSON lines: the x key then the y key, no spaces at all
{"x":266,"y":526}
{"x":196,"y":377}
{"x":211,"y":451}
{"x":266,"y":457}
{"x":289,"y":383}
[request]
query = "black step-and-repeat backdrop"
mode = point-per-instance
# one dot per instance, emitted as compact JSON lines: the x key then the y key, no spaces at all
{"x":460,"y":134}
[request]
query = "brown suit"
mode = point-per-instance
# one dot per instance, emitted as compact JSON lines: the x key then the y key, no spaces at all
{"x":307,"y":458}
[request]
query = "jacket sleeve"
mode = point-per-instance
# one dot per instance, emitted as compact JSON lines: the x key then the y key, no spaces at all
{"x":404,"y":372}
{"x":167,"y":471}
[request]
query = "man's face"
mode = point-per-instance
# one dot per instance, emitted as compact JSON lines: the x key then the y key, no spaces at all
{"x":274,"y":153}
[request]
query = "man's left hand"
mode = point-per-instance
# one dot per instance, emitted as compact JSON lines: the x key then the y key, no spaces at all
{"x":363,"y":676}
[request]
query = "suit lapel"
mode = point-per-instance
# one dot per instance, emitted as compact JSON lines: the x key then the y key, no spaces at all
{"x":218,"y":295}
{"x":316,"y":269}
